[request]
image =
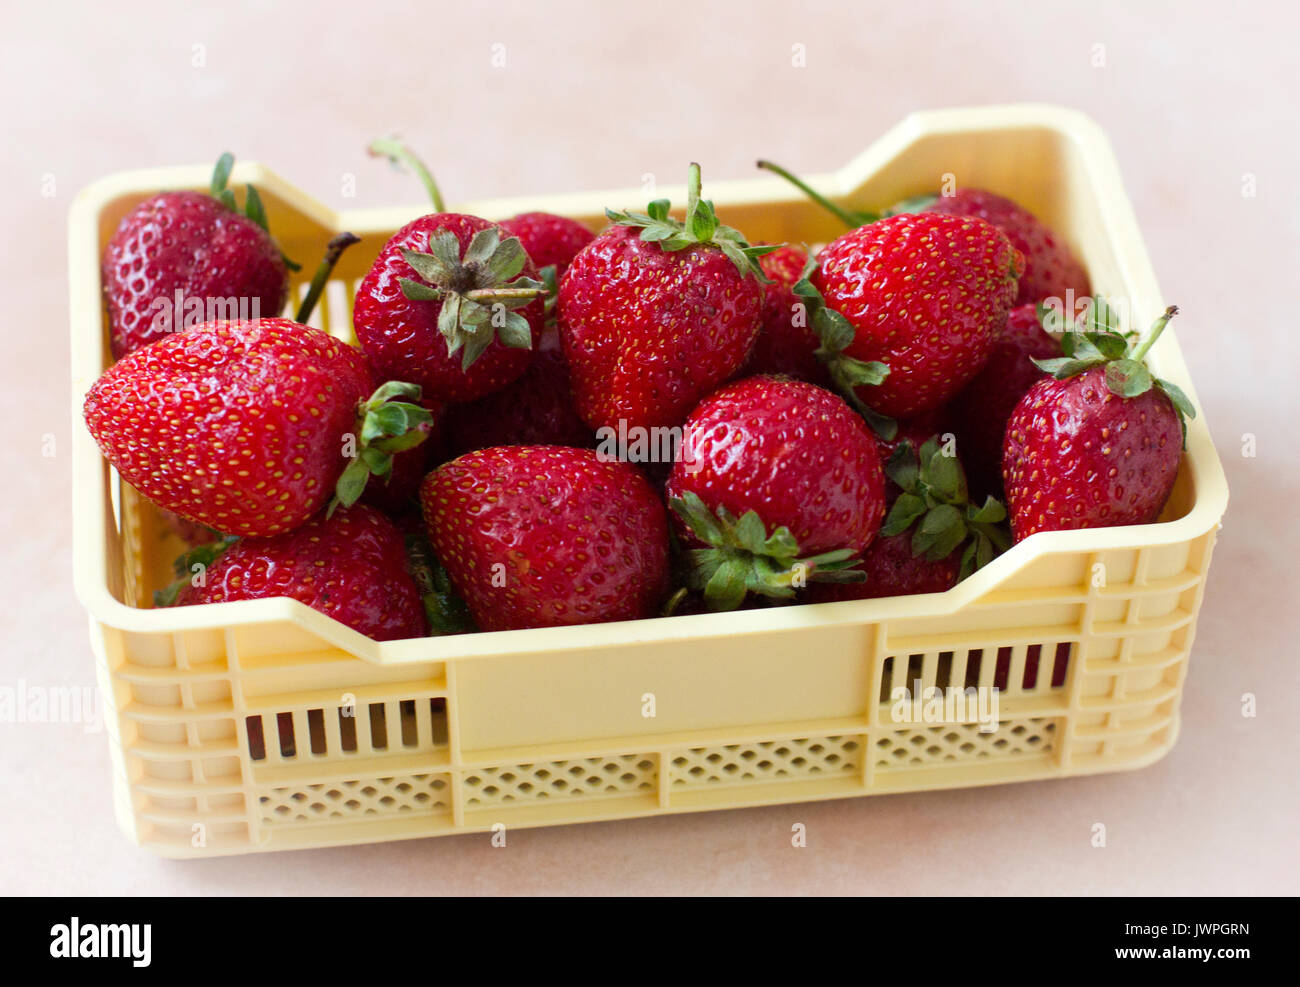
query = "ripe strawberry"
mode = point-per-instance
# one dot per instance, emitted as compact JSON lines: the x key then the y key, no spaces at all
{"x":907,"y":308}
{"x":786,"y":342}
{"x":244,"y":426}
{"x":551,"y":240}
{"x":1098,"y":443}
{"x":982,"y":408}
{"x":540,"y":536}
{"x":473,"y":293}
{"x":892,"y":570}
{"x":655,"y":314}
{"x":1051,"y":269}
{"x":179,"y":252}
{"x":536,"y":410}
{"x":351,"y":566}
{"x":798,"y":469}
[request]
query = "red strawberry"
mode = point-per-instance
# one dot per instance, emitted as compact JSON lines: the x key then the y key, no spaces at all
{"x":536,"y":410}
{"x":540,"y":536}
{"x":351,"y":566}
{"x":655,"y":314}
{"x":551,"y":240}
{"x":786,"y":342}
{"x":892,"y":570}
{"x":984,"y":405}
{"x":244,"y":426}
{"x":1097,"y":444}
{"x":795,"y":466}
{"x":433,"y":318}
{"x":922,"y":294}
{"x":1051,"y":269}
{"x":182,"y":258}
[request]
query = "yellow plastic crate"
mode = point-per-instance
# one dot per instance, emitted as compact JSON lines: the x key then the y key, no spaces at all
{"x":264,"y":725}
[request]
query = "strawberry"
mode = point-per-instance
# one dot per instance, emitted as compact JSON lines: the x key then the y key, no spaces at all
{"x":177,"y":257}
{"x":351,"y":566}
{"x":473,"y":294}
{"x":1051,"y":269}
{"x":655,"y":313}
{"x":244,"y":426}
{"x":892,"y":570}
{"x":984,"y":405}
{"x":786,"y":342}
{"x":1098,"y":443}
{"x":776,"y":480}
{"x":398,"y":493}
{"x":541,"y":536}
{"x":907,"y":309}
{"x":917,"y":430}
{"x":536,"y":410}
{"x":551,"y":240}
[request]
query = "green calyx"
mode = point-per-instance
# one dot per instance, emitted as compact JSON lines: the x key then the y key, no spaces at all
{"x":742,"y":558}
{"x":936,"y":501}
{"x":836,"y":335}
{"x":199,"y":558}
{"x":386,"y":425}
{"x":400,"y":155}
{"x":701,"y":227}
{"x":479,"y":291}
{"x":1096,"y":341}
{"x":446,"y":612}
{"x":253,"y":208}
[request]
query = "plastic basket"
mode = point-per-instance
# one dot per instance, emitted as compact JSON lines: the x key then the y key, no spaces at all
{"x":264,"y":725}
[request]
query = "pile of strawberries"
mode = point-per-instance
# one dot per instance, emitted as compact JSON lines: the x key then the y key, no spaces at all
{"x":842,"y":423}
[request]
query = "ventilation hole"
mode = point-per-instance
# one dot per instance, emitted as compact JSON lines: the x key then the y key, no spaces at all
{"x":1032,"y":657}
{"x":378,"y":727}
{"x":1061,"y":665}
{"x":914,"y":665}
{"x":973,"y":661}
{"x":438,"y":709}
{"x":886,"y":676}
{"x":347,"y":729}
{"x":256,"y":741}
{"x":284,"y":723}
{"x":943,"y":676}
{"x":410,"y":728}
{"x":316,"y":730}
{"x":1003,"y":671}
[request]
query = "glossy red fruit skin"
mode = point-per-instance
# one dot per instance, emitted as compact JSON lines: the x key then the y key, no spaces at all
{"x":548,"y":238}
{"x":982,"y":408}
{"x":794,"y":453}
{"x":786,"y":342}
{"x":1078,"y":456}
{"x":1051,"y":269}
{"x":400,"y":495}
{"x":647,"y":332}
{"x":351,"y":566}
{"x":582,"y":540}
{"x":401,"y":336}
{"x":925,"y":294}
{"x":536,"y":410}
{"x":892,"y":570}
{"x":236,"y":425}
{"x":189,"y":242}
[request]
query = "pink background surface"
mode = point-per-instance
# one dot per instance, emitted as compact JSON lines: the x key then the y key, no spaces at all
{"x":1194,"y":97}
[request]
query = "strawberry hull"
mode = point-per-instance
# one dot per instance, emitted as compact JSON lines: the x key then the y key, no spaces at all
{"x":275,"y":727}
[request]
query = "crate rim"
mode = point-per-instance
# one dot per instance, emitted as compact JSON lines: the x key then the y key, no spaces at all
{"x":1209,"y":485}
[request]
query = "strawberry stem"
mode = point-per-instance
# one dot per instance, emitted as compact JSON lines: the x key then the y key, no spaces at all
{"x":1154,"y":332}
{"x":333,"y":251}
{"x":397,"y":152}
{"x":850,"y":219}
